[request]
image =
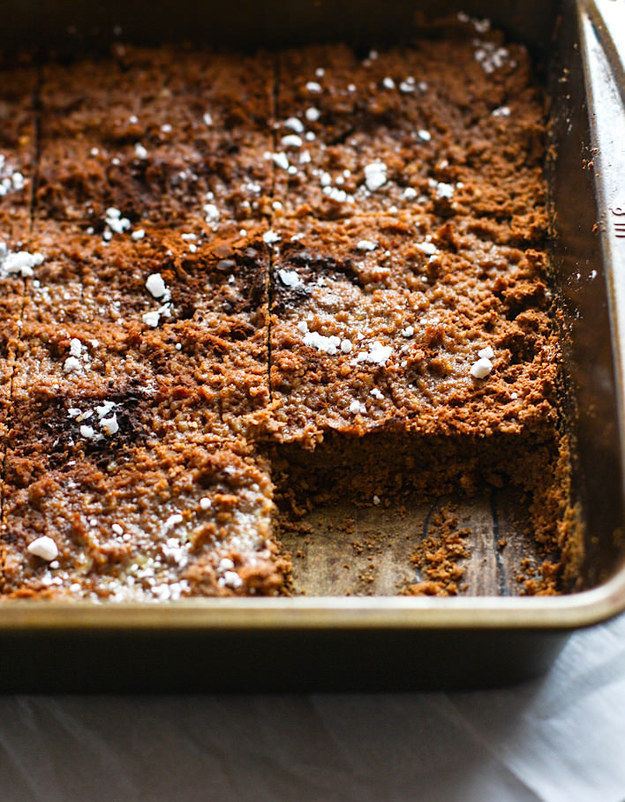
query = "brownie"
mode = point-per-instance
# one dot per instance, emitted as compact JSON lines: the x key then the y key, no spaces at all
{"x":160,"y":139}
{"x":240,"y":276}
{"x":146,"y":521}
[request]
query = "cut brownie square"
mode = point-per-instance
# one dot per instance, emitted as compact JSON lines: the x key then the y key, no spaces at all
{"x":132,"y":518}
{"x":123,"y":139}
{"x":358,"y":346}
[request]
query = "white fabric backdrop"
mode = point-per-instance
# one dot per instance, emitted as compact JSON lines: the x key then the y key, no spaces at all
{"x":560,"y":739}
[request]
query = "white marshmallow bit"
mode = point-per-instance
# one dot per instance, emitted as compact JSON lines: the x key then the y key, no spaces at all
{"x":45,"y":548}
{"x":72,"y":365}
{"x":87,"y":431}
{"x":346,"y":346}
{"x":356,"y":407}
{"x":367,"y":245}
{"x":290,"y":279}
{"x":295,"y":125}
{"x":75,"y":347}
{"x":270,"y":237}
{"x":291,"y":141}
{"x":151,"y":319}
{"x":141,"y":151}
{"x":313,"y":87}
{"x":312,"y":114}
{"x":486,"y":353}
{"x":138,"y":234}
{"x":232,"y":580}
{"x":280,"y":160}
{"x":110,"y":425}
{"x":155,"y":285}
{"x":424,"y":135}
{"x":329,"y":345}
{"x":375,"y":175}
{"x":481,"y":368}
{"x":378,"y":354}
{"x":212,"y":213}
{"x":21,"y":262}
{"x":205,"y":503}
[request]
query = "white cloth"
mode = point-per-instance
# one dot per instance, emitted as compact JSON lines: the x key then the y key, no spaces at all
{"x":559,"y":739}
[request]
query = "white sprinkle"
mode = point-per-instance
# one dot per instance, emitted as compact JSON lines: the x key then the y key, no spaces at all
{"x":310,"y":136}
{"x":328,"y":345}
{"x":155,"y":285}
{"x":87,"y":431}
{"x":424,"y":135}
{"x":212,"y":213}
{"x":378,"y":354}
{"x":110,"y":425}
{"x":355,"y":407}
{"x":141,"y":151}
{"x":290,"y":279}
{"x":514,"y":396}
{"x":207,"y":119}
{"x":375,"y":175}
{"x":376,"y":500}
{"x":428,"y":248}
{"x":45,"y":548}
{"x":408,"y":331}
{"x":104,"y":409}
{"x":320,"y":72}
{"x":280,"y":160}
{"x":205,"y":503}
{"x":151,"y":319}
{"x":115,"y":222}
{"x":138,"y":234}
{"x":444,"y":190}
{"x":388,"y":83}
{"x":312,"y":114}
{"x":291,"y":141}
{"x":73,"y":412}
{"x":21,"y":262}
{"x":313,"y":87}
{"x":271,"y":236}
{"x":294,"y":124}
{"x":346,"y":346}
{"x":304,"y":157}
{"x":133,"y":119}
{"x":502,"y":111}
{"x":75,"y":347}
{"x":408,"y":85}
{"x":377,"y":394}
{"x":486,"y":353}
{"x":481,"y":368}
{"x":367,"y":245}
{"x":232,"y":580}
{"x":72,"y":365}
{"x":117,"y":529}
{"x":410,"y":193}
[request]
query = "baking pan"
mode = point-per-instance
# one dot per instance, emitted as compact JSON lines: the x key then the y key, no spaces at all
{"x":488,"y":637}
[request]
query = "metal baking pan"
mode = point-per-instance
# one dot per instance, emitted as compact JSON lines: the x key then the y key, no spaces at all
{"x":327,"y":642}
